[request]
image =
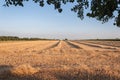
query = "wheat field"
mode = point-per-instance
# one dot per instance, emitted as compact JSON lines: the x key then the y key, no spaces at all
{"x":59,"y":60}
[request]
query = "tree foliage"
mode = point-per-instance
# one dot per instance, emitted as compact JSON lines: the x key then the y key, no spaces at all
{"x":102,"y":10}
{"x":15,"y":38}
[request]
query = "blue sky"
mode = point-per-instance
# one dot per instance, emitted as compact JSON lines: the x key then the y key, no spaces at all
{"x":35,"y":21}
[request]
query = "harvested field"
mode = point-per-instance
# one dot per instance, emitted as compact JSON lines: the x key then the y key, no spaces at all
{"x":59,"y":60}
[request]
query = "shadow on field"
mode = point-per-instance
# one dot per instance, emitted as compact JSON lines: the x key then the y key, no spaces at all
{"x":59,"y":74}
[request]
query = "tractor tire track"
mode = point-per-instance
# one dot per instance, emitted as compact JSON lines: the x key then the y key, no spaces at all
{"x":48,"y":48}
{"x":95,"y":46}
{"x":72,"y":45}
{"x":35,"y":47}
{"x":53,"y":45}
{"x":105,"y":45}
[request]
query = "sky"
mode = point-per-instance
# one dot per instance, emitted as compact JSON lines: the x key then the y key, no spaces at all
{"x":46,"y":22}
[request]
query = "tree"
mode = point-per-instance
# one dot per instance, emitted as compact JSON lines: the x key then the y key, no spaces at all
{"x":102,"y":10}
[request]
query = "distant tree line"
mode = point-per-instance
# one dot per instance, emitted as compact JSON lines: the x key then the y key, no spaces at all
{"x":15,"y":38}
{"x":117,"y":39}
